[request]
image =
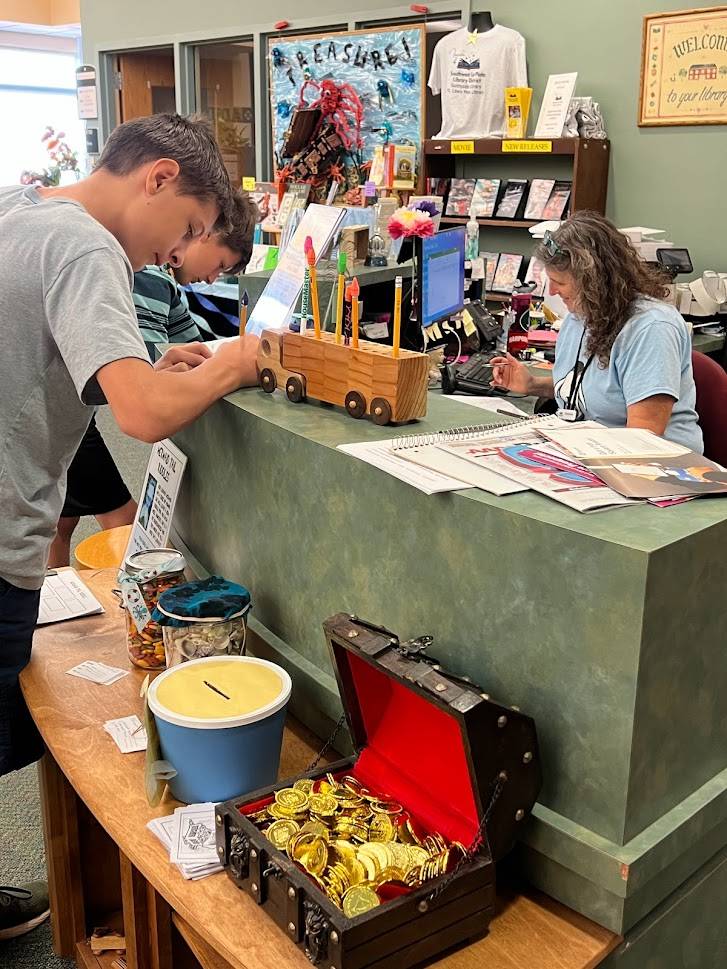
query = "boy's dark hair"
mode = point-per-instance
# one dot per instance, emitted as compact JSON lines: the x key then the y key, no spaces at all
{"x":238,"y":233}
{"x":188,"y":141}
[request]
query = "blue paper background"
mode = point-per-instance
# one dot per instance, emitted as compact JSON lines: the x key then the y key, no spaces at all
{"x":405,"y":114}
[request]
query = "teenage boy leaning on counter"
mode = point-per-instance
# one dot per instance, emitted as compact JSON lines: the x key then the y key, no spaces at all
{"x":71,"y":342}
{"x":94,"y":483}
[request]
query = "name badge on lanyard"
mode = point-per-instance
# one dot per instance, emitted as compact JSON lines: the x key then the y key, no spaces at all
{"x":567,"y":414}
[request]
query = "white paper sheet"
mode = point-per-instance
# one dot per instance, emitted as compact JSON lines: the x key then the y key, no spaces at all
{"x":64,"y":596}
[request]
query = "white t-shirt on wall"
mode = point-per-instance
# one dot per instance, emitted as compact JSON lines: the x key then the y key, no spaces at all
{"x":472,"y":71}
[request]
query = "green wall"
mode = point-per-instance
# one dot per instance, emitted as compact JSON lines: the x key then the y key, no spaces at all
{"x":664,"y":177}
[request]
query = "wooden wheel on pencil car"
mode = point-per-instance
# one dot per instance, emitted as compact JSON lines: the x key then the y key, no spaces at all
{"x":380,"y":410}
{"x":268,"y":381}
{"x":294,"y":389}
{"x":355,"y":404}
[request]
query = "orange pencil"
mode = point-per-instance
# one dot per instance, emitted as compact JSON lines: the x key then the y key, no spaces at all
{"x":397,"y":316}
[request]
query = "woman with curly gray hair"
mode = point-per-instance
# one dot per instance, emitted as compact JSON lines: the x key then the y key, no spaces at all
{"x":623,"y":355}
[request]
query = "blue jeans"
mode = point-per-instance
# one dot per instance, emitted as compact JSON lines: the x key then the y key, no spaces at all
{"x":20,"y":742}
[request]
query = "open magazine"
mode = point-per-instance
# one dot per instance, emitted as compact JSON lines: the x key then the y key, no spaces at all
{"x":543,"y":468}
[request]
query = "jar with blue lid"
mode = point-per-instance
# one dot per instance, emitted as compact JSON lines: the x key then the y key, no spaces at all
{"x":204,"y":618}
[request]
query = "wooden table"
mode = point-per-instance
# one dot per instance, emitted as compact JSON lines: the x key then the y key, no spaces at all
{"x":104,"y":865}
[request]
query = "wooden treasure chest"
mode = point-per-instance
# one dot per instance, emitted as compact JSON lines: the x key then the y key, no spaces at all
{"x":386,"y":859}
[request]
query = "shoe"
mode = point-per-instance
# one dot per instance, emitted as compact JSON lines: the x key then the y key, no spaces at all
{"x":22,"y":908}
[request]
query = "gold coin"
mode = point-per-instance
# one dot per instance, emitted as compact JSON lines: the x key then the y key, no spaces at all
{"x":323,"y":805}
{"x":381,"y":828}
{"x":280,"y":832}
{"x":356,"y":872}
{"x":417,"y":855}
{"x":390,"y":874}
{"x":278,"y":812}
{"x":312,"y":852}
{"x":386,"y":807}
{"x":315,"y":827}
{"x":304,"y":784}
{"x":358,"y":900}
{"x":292,"y":800}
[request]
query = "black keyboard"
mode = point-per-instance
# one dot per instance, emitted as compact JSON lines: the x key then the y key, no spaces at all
{"x":471,"y":377}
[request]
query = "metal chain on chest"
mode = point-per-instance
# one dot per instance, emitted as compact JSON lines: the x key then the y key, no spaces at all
{"x":476,"y":843}
{"x":326,"y":746}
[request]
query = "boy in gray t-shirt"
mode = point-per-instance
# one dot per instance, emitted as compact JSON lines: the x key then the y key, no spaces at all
{"x":71,"y":341}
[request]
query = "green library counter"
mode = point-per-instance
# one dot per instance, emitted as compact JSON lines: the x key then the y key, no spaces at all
{"x":609,"y":629}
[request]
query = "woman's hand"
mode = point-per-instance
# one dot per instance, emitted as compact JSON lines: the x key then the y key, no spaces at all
{"x":511,"y":374}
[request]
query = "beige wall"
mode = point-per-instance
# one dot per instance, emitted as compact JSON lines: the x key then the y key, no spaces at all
{"x":664,"y":177}
{"x":49,"y":13}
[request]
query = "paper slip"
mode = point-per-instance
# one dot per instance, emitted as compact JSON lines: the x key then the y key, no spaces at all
{"x":495,"y":405}
{"x":97,"y":672}
{"x":378,"y":454}
{"x":193,"y":835}
{"x":128,"y":733}
{"x":64,"y":596}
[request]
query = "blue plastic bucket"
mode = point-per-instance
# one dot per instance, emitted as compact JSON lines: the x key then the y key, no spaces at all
{"x":218,"y":757}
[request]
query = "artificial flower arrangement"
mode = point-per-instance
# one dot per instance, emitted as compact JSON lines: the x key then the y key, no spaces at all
{"x":415,"y":220}
{"x":61,"y":156}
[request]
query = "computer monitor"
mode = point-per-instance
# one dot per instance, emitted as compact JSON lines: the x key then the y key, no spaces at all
{"x":440,"y":276}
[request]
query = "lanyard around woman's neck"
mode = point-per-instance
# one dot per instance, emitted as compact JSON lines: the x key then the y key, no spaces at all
{"x":577,"y":381}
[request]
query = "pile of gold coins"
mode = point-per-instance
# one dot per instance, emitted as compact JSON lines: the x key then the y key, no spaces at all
{"x":360,"y":848}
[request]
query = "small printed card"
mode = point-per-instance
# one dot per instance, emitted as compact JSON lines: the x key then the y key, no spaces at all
{"x":193,"y":837}
{"x":128,"y":733}
{"x":97,"y":672}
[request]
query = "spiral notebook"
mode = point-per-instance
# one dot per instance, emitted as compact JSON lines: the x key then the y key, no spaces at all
{"x":419,"y":459}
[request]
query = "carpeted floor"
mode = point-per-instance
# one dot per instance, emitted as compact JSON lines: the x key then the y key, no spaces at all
{"x":22,"y":859}
{"x":21,"y":839}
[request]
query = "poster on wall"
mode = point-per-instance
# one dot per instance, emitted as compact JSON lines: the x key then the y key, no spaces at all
{"x":684,"y":68}
{"x":385,"y":69}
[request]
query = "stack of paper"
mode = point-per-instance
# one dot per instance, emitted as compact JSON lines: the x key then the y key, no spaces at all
{"x":189,"y":835}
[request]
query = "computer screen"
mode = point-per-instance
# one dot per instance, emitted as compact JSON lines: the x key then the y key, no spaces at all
{"x":441,"y":276}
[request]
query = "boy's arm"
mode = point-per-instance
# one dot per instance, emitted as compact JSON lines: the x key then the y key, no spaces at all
{"x":151,"y":404}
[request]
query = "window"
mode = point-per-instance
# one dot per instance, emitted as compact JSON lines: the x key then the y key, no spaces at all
{"x":37,"y":88}
{"x":224,"y":94}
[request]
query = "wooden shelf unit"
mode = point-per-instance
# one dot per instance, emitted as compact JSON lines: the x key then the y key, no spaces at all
{"x":490,"y":223}
{"x":589,"y":169}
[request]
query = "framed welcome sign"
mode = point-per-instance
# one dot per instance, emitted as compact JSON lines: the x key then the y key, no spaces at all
{"x":684,"y":68}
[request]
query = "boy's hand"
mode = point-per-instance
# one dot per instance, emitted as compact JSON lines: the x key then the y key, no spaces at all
{"x":237,"y":362}
{"x":186,"y":356}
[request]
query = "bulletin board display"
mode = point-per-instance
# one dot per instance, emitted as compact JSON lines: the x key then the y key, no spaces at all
{"x":386,"y":69}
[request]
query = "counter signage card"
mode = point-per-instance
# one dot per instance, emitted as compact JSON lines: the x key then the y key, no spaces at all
{"x":554,"y":109}
{"x":158,"y":497}
{"x":275,"y":306}
{"x":86,"y":92}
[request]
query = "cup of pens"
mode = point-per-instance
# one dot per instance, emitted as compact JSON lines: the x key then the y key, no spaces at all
{"x":220,"y":723}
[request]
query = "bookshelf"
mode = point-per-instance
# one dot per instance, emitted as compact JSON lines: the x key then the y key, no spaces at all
{"x":583,"y":161}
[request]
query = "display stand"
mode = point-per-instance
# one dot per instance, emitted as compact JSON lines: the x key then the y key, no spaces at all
{"x":588,"y":169}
